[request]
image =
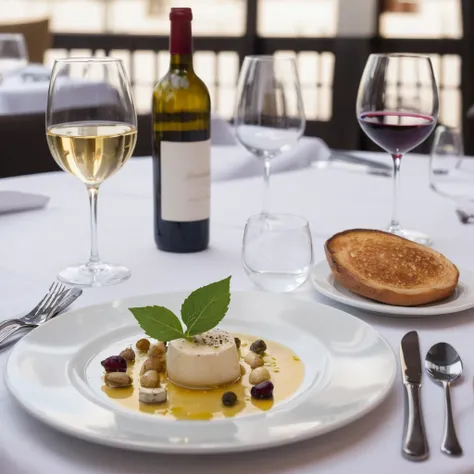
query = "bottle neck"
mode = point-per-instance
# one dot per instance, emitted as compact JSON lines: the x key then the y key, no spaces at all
{"x":181,"y":45}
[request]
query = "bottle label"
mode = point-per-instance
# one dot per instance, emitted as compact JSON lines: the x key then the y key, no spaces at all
{"x":185,"y":181}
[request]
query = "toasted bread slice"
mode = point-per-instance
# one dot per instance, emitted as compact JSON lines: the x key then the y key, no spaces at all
{"x":390,"y":269}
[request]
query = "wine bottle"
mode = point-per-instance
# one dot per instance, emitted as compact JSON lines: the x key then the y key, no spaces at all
{"x":181,"y":147}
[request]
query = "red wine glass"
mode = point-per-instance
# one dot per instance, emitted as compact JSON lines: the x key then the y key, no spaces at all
{"x":397,"y":108}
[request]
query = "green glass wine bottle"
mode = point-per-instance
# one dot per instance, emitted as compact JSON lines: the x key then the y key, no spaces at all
{"x":181,"y":147}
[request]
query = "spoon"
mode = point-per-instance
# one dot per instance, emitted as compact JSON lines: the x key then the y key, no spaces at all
{"x":444,"y":366}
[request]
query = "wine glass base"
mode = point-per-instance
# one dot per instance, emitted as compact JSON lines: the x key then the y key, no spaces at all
{"x":94,"y":276}
{"x":413,"y":235}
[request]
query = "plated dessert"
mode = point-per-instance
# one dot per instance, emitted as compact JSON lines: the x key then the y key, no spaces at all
{"x":199,"y":375}
{"x":390,"y":269}
{"x":68,"y":392}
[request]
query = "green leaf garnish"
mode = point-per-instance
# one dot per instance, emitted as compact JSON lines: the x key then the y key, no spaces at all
{"x":158,"y":322}
{"x":205,"y":307}
{"x":201,"y":311}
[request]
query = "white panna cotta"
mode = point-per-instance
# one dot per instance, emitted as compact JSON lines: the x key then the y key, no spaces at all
{"x":206,"y":361}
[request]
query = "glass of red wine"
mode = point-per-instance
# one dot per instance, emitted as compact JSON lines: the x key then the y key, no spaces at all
{"x":397,"y":108}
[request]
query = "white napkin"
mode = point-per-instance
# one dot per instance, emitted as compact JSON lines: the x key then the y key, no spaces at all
{"x":15,"y":201}
{"x":221,"y":131}
{"x":234,"y":162}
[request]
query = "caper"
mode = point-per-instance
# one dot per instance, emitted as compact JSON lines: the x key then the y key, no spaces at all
{"x":254,"y":360}
{"x":259,"y":375}
{"x":229,"y":399}
{"x":150,"y":379}
{"x":259,"y":347}
{"x":128,"y":354}
{"x":143,"y":345}
{"x":117,"y":379}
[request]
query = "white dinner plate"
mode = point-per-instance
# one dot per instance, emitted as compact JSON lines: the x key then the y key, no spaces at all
{"x":54,"y":372}
{"x":462,"y":298}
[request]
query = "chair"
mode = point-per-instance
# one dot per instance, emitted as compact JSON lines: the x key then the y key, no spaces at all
{"x":24,"y":150}
{"x":37,"y":36}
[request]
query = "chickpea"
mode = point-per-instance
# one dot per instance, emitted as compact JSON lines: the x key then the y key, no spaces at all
{"x":128,"y":354}
{"x":152,"y":363}
{"x":117,"y":380}
{"x":143,"y":345}
{"x":259,"y":375}
{"x":163,"y":362}
{"x":157,"y":349}
{"x":254,"y":360}
{"x":150,"y":379}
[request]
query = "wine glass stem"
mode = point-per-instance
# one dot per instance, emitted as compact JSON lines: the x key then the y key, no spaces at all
{"x":93,"y":192}
{"x":266,"y":188}
{"x":395,"y":224}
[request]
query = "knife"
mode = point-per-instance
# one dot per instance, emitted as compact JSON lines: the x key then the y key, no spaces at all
{"x":415,"y":444}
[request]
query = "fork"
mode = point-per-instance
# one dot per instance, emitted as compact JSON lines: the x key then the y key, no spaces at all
{"x":38,"y":314}
{"x":66,"y":298}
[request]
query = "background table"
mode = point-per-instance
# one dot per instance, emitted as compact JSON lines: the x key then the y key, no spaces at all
{"x":34,"y":245}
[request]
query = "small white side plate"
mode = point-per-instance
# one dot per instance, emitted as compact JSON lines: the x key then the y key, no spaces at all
{"x":462,"y":299}
{"x":349,"y":370}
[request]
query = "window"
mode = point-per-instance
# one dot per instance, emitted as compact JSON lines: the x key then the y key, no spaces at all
{"x":297,"y":18}
{"x":435,"y":19}
{"x":222,"y":17}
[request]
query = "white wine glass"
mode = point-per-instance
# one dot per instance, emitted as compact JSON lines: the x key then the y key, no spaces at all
{"x":13,"y":53}
{"x":91,"y":129}
{"x":269,"y":115}
{"x":452,"y":173}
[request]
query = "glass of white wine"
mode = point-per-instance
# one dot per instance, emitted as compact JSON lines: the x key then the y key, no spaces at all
{"x":91,"y":128}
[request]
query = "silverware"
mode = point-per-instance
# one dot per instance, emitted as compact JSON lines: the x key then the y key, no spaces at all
{"x":445,"y":366}
{"x":464,"y":217}
{"x":42,"y":308}
{"x":70,"y":297}
{"x":49,"y":310}
{"x":415,"y":444}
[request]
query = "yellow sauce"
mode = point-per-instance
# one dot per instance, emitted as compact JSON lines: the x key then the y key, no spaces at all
{"x":286,"y":370}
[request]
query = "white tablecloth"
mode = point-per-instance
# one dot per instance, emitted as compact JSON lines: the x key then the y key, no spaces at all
{"x":34,"y":245}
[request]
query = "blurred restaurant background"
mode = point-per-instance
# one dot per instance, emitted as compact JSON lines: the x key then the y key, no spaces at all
{"x":331,"y":40}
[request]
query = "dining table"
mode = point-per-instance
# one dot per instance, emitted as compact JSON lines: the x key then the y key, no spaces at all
{"x":34,"y":245}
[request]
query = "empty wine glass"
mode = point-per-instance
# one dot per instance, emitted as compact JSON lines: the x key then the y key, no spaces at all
{"x":397,"y":116}
{"x":277,"y":251}
{"x":13,"y":53}
{"x":91,"y":128}
{"x":451,"y":173}
{"x":269,"y":117}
